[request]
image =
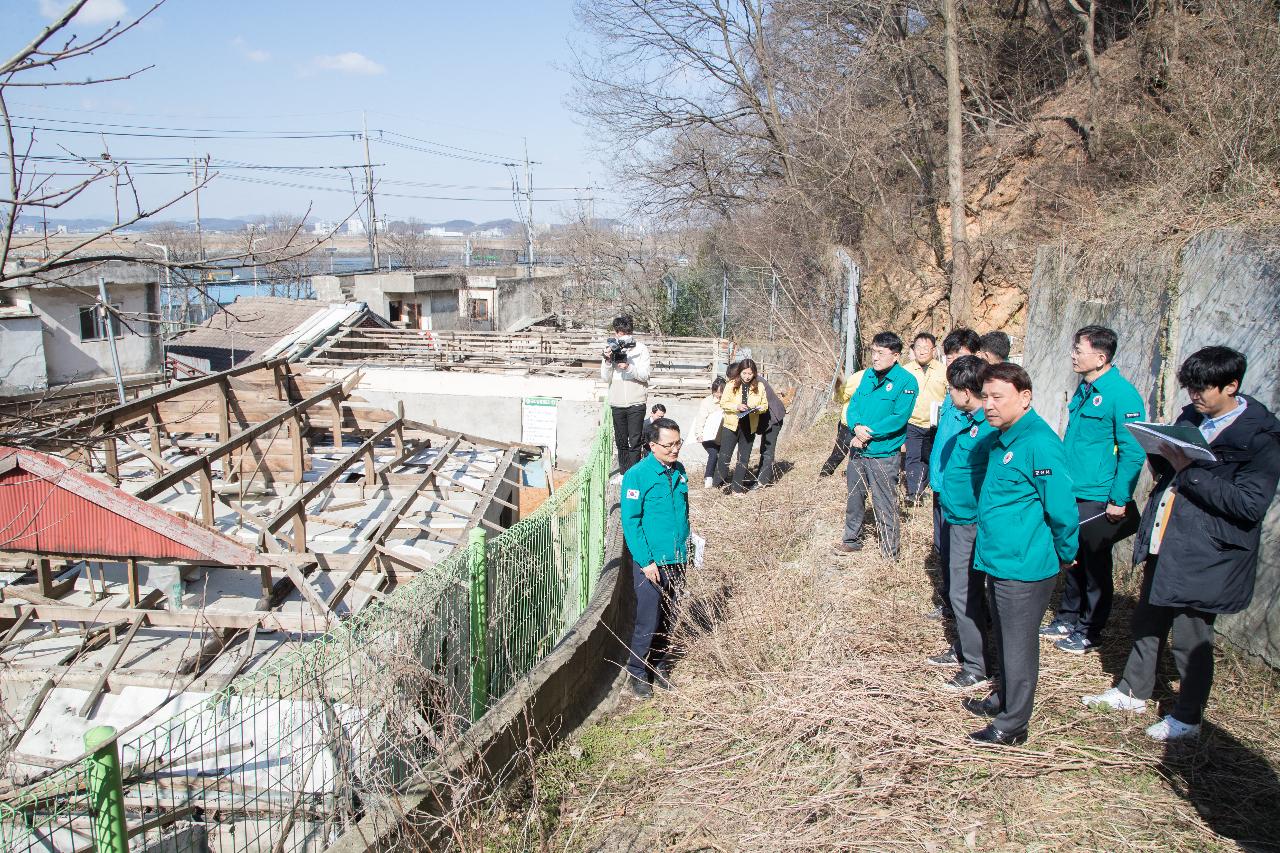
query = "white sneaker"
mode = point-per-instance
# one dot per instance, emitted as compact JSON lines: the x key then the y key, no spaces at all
{"x":1114,"y":700}
{"x":1171,"y":729}
{"x":706,"y":484}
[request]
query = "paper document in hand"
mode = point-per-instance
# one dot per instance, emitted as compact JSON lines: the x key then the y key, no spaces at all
{"x":1160,"y":438}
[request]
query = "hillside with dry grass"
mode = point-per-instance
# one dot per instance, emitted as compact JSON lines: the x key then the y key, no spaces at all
{"x":803,"y":718}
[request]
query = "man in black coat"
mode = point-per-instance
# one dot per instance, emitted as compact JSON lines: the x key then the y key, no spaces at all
{"x":1199,"y":539}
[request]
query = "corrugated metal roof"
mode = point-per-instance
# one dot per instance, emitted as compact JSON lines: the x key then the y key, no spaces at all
{"x":47,"y":506}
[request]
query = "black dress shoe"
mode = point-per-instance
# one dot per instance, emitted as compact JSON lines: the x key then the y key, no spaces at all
{"x":996,"y":737}
{"x":988,"y":707}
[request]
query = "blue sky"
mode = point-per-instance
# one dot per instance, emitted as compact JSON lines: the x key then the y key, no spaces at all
{"x":474,"y":76}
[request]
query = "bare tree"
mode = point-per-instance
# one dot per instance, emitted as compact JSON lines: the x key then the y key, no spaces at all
{"x":410,"y":246}
{"x":961,"y":282}
{"x":271,"y":246}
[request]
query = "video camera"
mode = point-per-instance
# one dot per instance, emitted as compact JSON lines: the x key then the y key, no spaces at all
{"x":618,"y":349}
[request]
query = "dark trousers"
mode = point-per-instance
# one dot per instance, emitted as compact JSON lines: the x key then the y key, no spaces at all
{"x":1016,"y":610}
{"x":942,"y":544}
{"x":916,"y":461}
{"x":743,"y":439}
{"x":655,"y":611}
{"x":879,"y":477}
{"x":713,"y":452}
{"x":844,"y":436}
{"x":1192,"y":649}
{"x":1088,"y":587}
{"x":628,"y":425}
{"x":968,"y":600}
{"x":768,"y":446}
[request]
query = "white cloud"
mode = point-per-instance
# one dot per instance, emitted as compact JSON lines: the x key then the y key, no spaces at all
{"x":94,"y":12}
{"x":347,"y":63}
{"x":250,"y":53}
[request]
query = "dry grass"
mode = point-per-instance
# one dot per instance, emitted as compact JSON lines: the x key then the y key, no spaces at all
{"x":803,"y":719}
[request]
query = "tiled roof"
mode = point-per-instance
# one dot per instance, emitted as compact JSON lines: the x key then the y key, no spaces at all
{"x":251,"y":323}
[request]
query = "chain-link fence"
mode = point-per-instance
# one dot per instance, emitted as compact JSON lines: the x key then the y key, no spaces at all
{"x":290,"y":755}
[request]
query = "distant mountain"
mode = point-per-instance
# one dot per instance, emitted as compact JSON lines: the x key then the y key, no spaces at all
{"x":507,"y":226}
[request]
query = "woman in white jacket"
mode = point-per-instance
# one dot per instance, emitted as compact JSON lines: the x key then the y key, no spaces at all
{"x":707,"y":426}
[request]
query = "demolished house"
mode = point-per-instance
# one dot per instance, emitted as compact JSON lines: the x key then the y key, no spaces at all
{"x":163,"y":546}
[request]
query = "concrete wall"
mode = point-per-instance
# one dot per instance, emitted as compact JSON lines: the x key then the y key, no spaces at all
{"x":1223,"y":287}
{"x":69,"y":359}
{"x":489,"y":405}
{"x":1229,"y":293}
{"x":22,"y":367}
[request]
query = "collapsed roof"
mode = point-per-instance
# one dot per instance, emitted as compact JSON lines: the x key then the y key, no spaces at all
{"x":180,"y":538}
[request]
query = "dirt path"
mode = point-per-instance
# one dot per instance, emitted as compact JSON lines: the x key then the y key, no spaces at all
{"x":804,"y":719}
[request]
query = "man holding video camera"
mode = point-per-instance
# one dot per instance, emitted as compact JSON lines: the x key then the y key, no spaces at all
{"x":624,"y":366}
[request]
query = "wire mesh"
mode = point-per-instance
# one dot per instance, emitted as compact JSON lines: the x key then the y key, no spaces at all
{"x":287,"y":757}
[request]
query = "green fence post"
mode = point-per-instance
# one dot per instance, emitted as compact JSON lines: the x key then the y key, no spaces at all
{"x":584,"y":543}
{"x":595,"y":500}
{"x":479,"y":623}
{"x":106,"y":796}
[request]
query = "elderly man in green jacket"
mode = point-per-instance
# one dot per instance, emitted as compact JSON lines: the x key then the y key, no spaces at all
{"x":877,"y":416}
{"x":655,"y":526}
{"x":1027,"y":531}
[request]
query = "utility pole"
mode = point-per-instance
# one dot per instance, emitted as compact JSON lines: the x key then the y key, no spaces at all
{"x":111,"y":337}
{"x":195,"y":179}
{"x":773,"y":302}
{"x":528,"y":184}
{"x":854,"y":274}
{"x":368,"y":188}
{"x":724,"y":302}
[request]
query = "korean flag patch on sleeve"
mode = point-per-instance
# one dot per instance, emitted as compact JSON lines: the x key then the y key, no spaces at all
{"x":633,"y":494}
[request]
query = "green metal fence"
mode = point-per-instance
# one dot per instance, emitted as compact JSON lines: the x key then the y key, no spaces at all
{"x":292,"y":754}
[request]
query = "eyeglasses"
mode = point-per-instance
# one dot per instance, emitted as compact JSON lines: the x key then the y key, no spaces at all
{"x":675,"y":445}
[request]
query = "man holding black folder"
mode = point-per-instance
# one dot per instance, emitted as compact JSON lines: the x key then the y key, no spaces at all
{"x":1199,"y":539}
{"x":1104,"y":461}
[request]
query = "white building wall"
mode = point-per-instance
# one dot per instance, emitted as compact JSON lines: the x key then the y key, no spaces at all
{"x":22,"y":367}
{"x":69,"y":359}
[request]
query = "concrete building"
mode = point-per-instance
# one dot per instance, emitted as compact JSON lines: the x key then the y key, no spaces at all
{"x":480,"y":299}
{"x":54,"y":334}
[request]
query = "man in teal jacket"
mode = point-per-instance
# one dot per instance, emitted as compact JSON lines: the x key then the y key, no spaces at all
{"x":877,"y":416}
{"x":1027,"y":531}
{"x":961,"y":482}
{"x":959,"y":342}
{"x":655,"y":526}
{"x":1104,"y":461}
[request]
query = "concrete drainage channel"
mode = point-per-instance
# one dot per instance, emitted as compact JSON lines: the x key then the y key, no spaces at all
{"x":545,"y":706}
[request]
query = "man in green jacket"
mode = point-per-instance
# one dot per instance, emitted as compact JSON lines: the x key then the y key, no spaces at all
{"x":877,"y":416}
{"x":1104,"y":461}
{"x":1027,"y":530}
{"x":655,"y":527}
{"x":960,"y":483}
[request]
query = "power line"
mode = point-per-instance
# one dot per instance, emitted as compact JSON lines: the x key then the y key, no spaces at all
{"x":281,"y":135}
{"x":290,"y":185}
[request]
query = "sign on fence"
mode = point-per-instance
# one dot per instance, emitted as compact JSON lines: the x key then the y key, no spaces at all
{"x":538,"y":423}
